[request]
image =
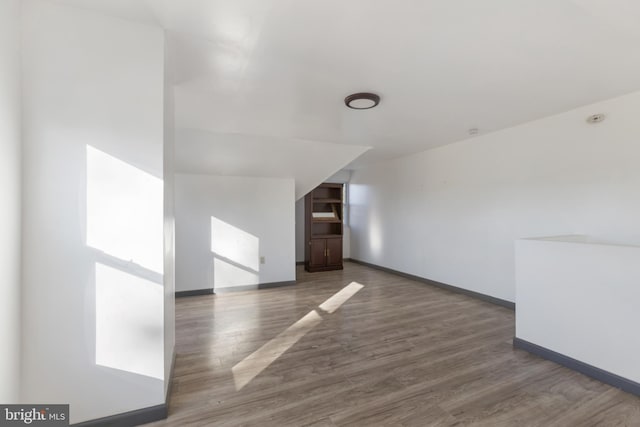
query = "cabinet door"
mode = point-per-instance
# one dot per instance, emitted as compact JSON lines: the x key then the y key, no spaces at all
{"x":334,"y":252}
{"x":317,"y":252}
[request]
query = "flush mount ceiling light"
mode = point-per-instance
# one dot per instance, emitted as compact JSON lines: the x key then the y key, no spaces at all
{"x":362,"y":101}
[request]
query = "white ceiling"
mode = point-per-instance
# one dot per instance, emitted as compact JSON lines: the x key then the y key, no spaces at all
{"x":277,"y":71}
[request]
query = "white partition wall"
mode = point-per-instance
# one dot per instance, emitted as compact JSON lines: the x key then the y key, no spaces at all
{"x":93,"y":255}
{"x":10,"y":152}
{"x":169,"y":227}
{"x":578,"y":296}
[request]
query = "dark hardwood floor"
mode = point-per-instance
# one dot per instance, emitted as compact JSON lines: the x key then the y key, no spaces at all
{"x":389,"y":352}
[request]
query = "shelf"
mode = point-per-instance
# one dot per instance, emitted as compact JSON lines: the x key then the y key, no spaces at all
{"x":324,"y":227}
{"x":327,"y":201}
{"x":324,"y":216}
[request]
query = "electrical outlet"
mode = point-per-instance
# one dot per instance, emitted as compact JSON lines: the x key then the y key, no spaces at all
{"x":262,"y":260}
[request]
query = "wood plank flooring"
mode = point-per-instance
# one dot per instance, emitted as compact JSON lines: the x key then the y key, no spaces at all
{"x":396,"y":352}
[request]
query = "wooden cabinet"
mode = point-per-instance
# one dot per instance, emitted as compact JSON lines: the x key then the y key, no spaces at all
{"x":323,"y":228}
{"x":334,"y":252}
{"x":317,"y":253}
{"x":325,"y":254}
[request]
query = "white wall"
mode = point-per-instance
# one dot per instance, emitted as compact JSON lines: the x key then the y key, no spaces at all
{"x":341,"y":177}
{"x":223,"y":226}
{"x":93,"y":211}
{"x":452,"y":214}
{"x":10,"y":152}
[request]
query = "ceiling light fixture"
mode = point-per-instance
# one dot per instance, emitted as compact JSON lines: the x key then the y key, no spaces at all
{"x":362,"y":101}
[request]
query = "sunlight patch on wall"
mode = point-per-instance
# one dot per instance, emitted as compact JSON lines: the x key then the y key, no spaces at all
{"x":129,"y":322}
{"x":375,"y":236}
{"x":234,"y":244}
{"x":124,"y":211}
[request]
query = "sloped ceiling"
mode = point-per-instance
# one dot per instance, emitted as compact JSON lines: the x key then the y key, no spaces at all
{"x":246,"y":155}
{"x":277,"y":71}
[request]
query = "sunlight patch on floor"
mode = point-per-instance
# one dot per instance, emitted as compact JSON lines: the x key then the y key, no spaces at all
{"x":334,"y":303}
{"x":251,"y":366}
{"x":259,"y":360}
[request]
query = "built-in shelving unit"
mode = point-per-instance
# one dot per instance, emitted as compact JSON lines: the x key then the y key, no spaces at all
{"x":323,"y":228}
